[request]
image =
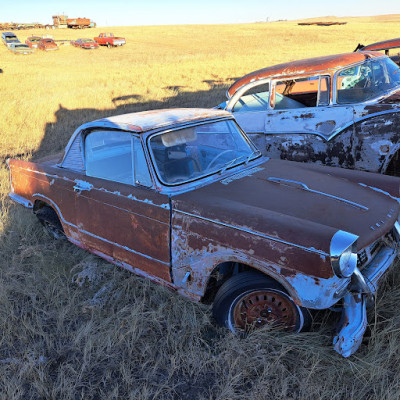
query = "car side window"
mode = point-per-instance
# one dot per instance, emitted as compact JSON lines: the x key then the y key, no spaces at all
{"x":300,"y":93}
{"x":255,"y":99}
{"x":141,"y":170}
{"x":108,"y":155}
{"x":366,"y":81}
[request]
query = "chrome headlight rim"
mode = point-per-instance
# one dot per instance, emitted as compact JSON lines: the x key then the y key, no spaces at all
{"x":343,"y":252}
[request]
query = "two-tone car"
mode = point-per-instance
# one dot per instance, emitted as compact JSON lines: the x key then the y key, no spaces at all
{"x":108,"y":39}
{"x":339,"y":110}
{"x":184,"y":198}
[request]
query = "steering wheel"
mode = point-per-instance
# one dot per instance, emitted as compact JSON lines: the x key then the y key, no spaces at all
{"x":217,"y":157}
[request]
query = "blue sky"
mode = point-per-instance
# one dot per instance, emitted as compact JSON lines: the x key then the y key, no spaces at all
{"x":172,"y":12}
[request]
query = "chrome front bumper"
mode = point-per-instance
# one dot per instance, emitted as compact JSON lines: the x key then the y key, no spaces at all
{"x":364,"y":286}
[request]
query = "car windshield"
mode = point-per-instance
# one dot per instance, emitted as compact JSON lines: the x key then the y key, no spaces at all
{"x":194,"y":152}
{"x":367,"y":81}
{"x":34,"y":39}
{"x":87,"y":40}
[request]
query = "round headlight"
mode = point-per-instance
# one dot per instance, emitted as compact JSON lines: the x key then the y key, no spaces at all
{"x":344,"y":254}
{"x":347,"y":262}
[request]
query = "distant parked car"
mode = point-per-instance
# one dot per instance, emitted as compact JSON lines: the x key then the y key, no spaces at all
{"x":9,"y":38}
{"x":47,"y":44}
{"x":109,"y":40}
{"x":386,"y":45}
{"x":340,"y":110}
{"x":33,"y":41}
{"x":184,"y":198}
{"x":20,"y":48}
{"x":85,"y":43}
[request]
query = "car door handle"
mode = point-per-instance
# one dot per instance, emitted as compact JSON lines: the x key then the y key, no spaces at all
{"x":82,"y":185}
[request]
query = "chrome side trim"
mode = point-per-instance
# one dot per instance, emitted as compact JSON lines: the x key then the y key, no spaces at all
{"x":20,"y":200}
{"x":309,"y":249}
{"x":303,"y":186}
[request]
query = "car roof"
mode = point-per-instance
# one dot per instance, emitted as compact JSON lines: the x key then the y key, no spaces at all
{"x":145,"y":121}
{"x":300,"y":67}
{"x":385,"y":45}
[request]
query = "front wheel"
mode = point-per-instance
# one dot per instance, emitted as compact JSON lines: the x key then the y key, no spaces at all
{"x":251,"y":300}
{"x":109,"y":45}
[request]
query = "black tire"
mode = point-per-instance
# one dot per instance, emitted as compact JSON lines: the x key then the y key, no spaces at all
{"x":250,"y":300}
{"x":109,"y":45}
{"x":49,"y":219}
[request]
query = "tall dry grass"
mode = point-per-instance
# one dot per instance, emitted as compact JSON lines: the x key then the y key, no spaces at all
{"x":75,"y":327}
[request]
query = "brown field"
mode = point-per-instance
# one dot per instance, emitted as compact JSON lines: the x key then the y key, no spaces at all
{"x":73,"y":326}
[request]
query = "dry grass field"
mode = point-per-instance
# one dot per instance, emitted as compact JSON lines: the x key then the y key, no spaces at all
{"x":73,"y":326}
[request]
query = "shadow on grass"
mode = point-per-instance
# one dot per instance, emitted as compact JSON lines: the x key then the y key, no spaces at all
{"x":58,"y":133}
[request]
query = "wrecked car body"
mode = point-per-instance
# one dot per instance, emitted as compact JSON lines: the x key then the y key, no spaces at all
{"x":341,"y":110}
{"x":184,"y":198}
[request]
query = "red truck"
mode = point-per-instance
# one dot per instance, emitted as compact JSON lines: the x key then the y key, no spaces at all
{"x":109,"y":40}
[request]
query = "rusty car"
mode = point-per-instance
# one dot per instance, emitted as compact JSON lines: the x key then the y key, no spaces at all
{"x":20,"y":48}
{"x":183,"y":197}
{"x":387,"y":46}
{"x":339,"y":110}
{"x":85,"y":43}
{"x":32,"y":41}
{"x":47,"y":44}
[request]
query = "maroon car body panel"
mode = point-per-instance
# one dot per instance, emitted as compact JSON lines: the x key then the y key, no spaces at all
{"x":291,"y":222}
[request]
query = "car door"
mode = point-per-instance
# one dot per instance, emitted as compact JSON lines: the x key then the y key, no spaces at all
{"x":299,"y":123}
{"x":119,"y":215}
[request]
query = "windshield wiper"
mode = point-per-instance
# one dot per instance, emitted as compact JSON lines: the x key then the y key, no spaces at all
{"x":232,"y":162}
{"x":255,"y":152}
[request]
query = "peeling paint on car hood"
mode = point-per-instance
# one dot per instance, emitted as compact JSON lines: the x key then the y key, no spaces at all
{"x":306,"y":210}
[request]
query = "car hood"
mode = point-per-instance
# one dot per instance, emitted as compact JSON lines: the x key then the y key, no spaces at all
{"x":283,"y":201}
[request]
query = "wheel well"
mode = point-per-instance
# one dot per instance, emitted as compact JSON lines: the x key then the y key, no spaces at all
{"x":224,"y":271}
{"x":38,"y":205}
{"x":393,"y":167}
{"x":46,"y":212}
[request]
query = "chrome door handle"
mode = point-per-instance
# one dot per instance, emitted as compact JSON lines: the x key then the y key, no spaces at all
{"x":82,"y":185}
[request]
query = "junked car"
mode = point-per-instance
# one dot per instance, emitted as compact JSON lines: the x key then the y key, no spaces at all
{"x":386,"y":45}
{"x":32,"y":41}
{"x":47,"y":44}
{"x":20,"y":48}
{"x":9,"y":38}
{"x":340,"y":110}
{"x":184,"y":198}
{"x":108,"y":39}
{"x":85,"y":43}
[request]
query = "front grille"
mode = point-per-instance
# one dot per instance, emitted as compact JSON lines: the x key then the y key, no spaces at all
{"x":367,"y":254}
